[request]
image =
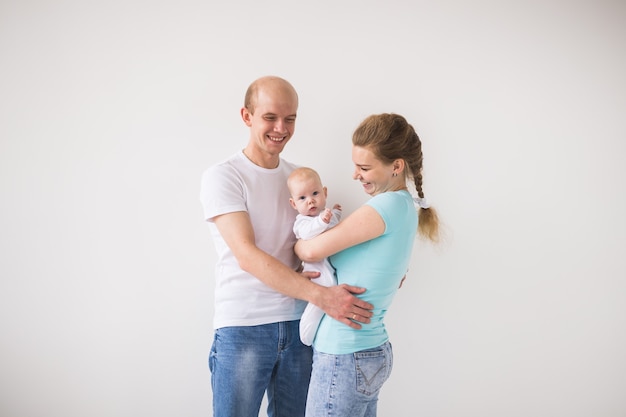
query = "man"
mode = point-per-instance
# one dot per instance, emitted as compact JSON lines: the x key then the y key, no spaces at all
{"x":259,"y":295}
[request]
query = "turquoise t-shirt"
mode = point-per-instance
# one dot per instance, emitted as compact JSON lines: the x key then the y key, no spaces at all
{"x":377,"y":265}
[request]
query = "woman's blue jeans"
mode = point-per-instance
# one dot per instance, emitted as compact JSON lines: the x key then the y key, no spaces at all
{"x":247,"y":361}
{"x":348,"y":385}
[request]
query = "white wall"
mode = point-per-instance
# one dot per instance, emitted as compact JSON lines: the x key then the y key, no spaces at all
{"x":111,"y":110}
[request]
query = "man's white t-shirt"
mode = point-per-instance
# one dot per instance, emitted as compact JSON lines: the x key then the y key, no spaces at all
{"x":239,"y":185}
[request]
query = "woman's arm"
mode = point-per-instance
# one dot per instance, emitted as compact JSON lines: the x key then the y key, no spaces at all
{"x":338,"y":301}
{"x":362,"y":225}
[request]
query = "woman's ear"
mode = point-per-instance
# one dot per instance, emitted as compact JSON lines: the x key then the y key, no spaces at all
{"x":398,"y":166}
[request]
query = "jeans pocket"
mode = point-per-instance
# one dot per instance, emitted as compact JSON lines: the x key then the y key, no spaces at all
{"x":213,"y":352}
{"x":373,"y":368}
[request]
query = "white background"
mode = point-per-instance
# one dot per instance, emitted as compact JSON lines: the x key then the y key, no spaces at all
{"x":111,"y":110}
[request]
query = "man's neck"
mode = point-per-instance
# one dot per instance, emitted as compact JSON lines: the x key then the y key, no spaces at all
{"x":262,"y":160}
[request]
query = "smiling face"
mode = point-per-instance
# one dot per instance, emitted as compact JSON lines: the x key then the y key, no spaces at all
{"x":271,"y":118}
{"x":375,"y":176}
{"x":308,"y":195}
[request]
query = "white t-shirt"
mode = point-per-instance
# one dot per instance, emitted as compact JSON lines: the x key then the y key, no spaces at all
{"x":239,"y":185}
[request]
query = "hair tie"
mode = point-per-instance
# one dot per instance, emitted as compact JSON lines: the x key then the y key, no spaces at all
{"x":421,"y":202}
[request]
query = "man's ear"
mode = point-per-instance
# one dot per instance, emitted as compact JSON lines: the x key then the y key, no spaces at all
{"x":246,"y":116}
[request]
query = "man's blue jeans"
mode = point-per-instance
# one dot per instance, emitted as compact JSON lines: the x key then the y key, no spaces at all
{"x":247,"y":361}
{"x":348,"y":385}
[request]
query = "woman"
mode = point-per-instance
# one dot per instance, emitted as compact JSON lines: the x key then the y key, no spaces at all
{"x":371,"y":248}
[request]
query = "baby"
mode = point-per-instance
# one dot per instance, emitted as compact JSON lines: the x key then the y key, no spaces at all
{"x":308,"y":197}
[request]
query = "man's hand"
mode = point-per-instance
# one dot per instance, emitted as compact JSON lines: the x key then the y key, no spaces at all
{"x":340,"y":303}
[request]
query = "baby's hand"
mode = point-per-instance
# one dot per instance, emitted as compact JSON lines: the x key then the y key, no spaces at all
{"x":337,"y":207}
{"x":326,"y":215}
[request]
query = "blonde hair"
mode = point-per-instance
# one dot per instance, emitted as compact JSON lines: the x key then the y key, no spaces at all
{"x":269,"y":81}
{"x":301,"y":173}
{"x":389,"y":137}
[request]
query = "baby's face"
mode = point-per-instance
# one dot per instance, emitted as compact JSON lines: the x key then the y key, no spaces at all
{"x":308,"y":197}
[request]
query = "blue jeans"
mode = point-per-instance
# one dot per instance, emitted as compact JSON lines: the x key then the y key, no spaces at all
{"x":246,"y":361}
{"x":348,"y":385}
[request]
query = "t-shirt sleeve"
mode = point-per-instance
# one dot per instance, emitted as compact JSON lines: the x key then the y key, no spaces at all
{"x":384,"y":205}
{"x":221,"y":192}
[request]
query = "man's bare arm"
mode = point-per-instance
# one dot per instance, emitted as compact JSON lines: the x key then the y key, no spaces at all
{"x":337,"y":301}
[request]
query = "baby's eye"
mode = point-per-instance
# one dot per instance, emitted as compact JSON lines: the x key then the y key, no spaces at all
{"x":315,"y":193}
{"x":302,"y":197}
